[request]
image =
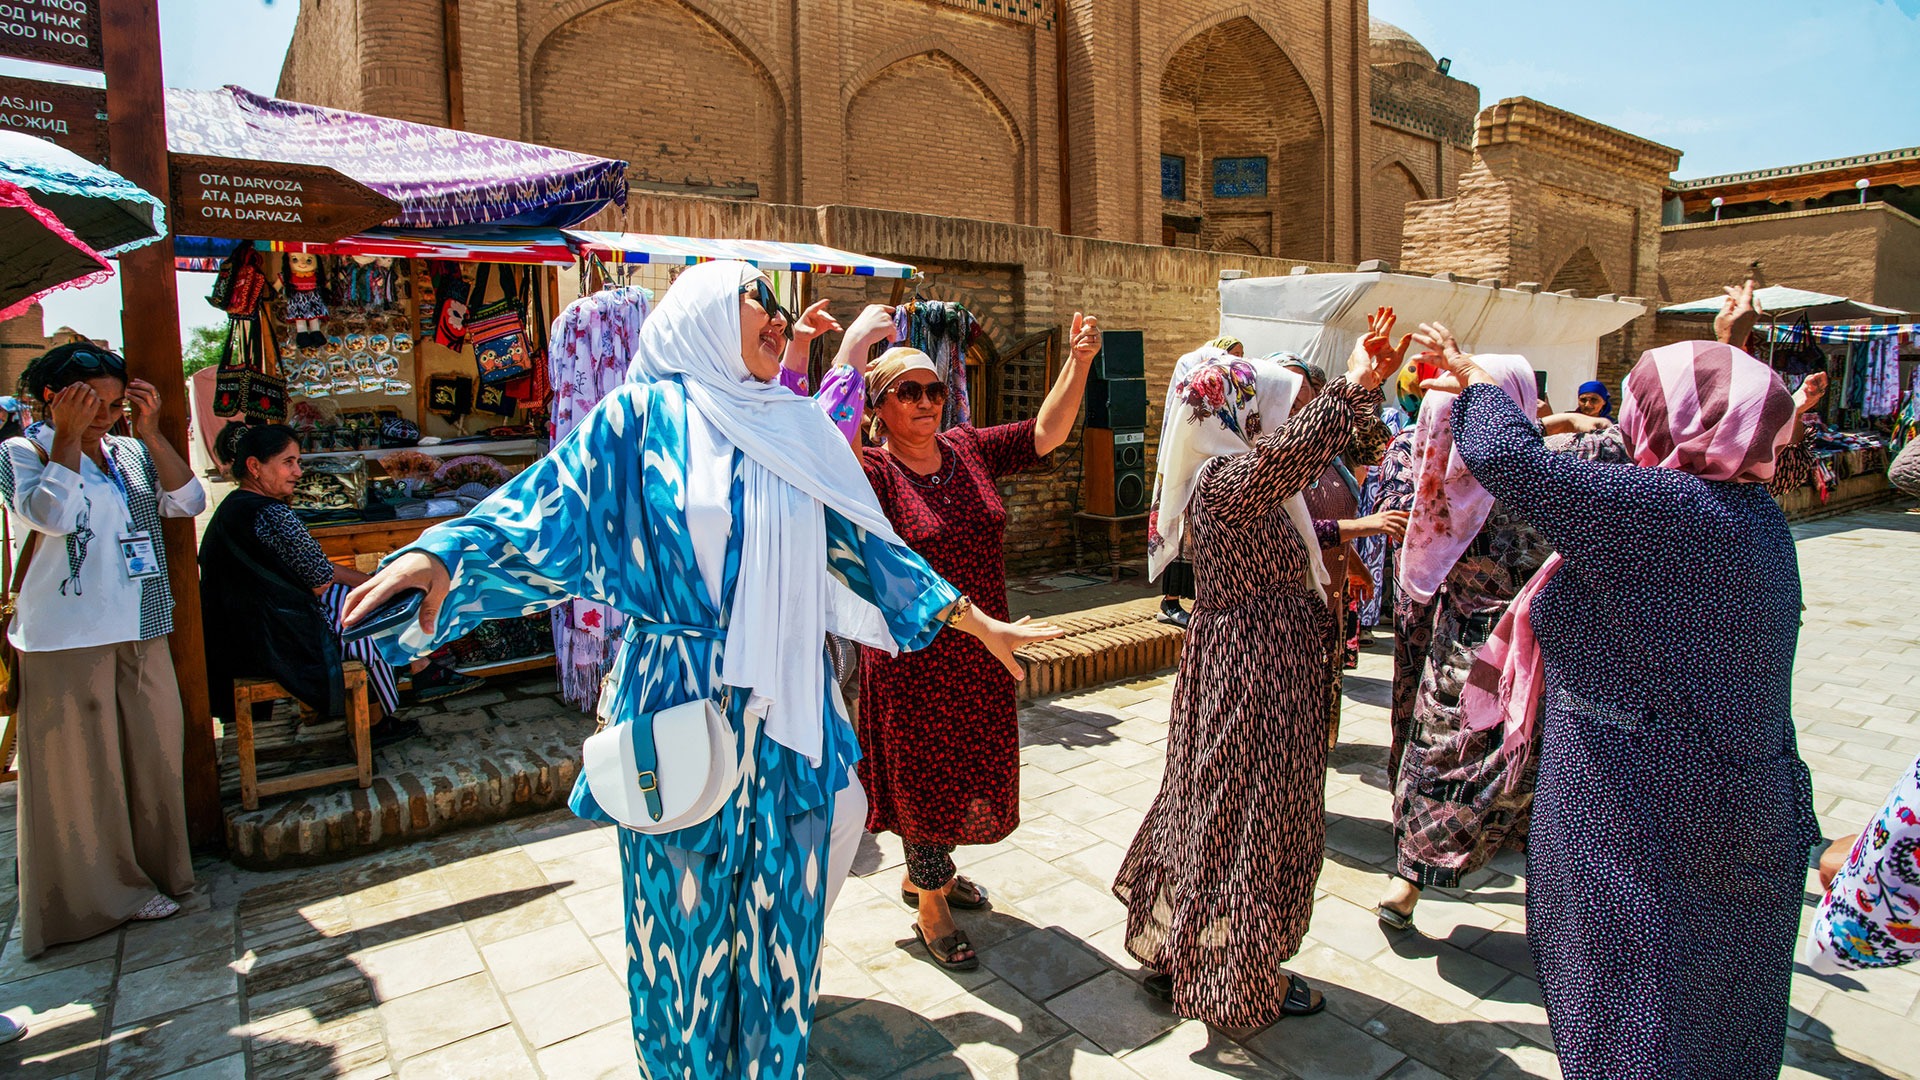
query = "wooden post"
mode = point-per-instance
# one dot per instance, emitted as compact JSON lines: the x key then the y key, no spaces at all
{"x":150,"y":327}
{"x":450,"y":51}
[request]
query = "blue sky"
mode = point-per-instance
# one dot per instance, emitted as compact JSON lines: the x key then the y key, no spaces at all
{"x":1736,"y":85}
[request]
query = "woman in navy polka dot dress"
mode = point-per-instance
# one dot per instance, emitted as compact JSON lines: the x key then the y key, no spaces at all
{"x":1673,"y":817}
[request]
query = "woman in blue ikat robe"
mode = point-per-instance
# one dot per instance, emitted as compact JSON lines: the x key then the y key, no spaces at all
{"x":704,"y":494}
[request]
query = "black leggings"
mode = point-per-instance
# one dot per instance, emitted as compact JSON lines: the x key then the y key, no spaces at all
{"x":929,"y":866}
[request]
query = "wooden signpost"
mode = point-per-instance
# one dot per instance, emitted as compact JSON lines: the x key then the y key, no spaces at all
{"x":52,"y":31}
{"x":245,"y":200}
{"x":73,"y":117}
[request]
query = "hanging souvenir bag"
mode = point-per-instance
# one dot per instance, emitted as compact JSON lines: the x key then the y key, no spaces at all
{"x":250,"y":382}
{"x":499,"y":332}
{"x":450,"y":319}
{"x":240,"y":283}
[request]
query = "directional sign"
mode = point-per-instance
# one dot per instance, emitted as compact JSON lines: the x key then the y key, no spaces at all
{"x":269,"y":200}
{"x":52,"y":31}
{"x":74,"y":117}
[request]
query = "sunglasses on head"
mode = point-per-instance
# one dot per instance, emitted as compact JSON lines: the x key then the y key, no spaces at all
{"x":92,"y":362}
{"x":910,"y":393}
{"x":762,"y":292}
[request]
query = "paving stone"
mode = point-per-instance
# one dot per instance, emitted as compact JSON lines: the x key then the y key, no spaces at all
{"x":875,"y":1038}
{"x":1196,"y":1050}
{"x":170,"y":987}
{"x":1071,"y":1058}
{"x":1113,"y":1012}
{"x":1325,"y":1047}
{"x":605,"y":1053}
{"x":1453,"y":975}
{"x":401,"y":968}
{"x":911,"y":978}
{"x":148,"y":944}
{"x":15,"y":966}
{"x":538,"y":957}
{"x":571,"y":1005}
{"x":1348,"y":927}
{"x":231,"y":1067}
{"x":1043,"y":963}
{"x":1052,"y":838}
{"x":1016,"y":875}
{"x":495,"y":1055}
{"x":1355,"y":991}
{"x":1074,"y":903}
{"x":173,"y":1042}
{"x":440,"y":1015}
{"x":1430,"y":1030}
{"x":993,"y":1025}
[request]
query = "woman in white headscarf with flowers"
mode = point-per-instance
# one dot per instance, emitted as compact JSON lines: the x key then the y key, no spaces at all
{"x":724,"y":517}
{"x":1219,"y":881}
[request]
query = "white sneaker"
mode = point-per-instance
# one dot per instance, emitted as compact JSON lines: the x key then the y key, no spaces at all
{"x":11,"y":1029}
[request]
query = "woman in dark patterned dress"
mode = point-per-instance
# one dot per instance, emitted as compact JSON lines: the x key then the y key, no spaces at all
{"x":1219,"y":881}
{"x":1460,"y":796}
{"x":939,"y":729}
{"x":1660,"y":642}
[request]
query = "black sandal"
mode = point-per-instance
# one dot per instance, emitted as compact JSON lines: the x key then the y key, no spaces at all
{"x":1159,"y":985}
{"x":944,"y":949}
{"x":1299,"y":1000}
{"x":1392,"y":918}
{"x":978,"y":903}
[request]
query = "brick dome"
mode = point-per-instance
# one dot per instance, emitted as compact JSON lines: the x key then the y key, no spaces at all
{"x":1392,"y":45}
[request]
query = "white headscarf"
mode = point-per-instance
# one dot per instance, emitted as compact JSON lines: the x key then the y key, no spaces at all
{"x":1449,"y":505}
{"x":1219,"y":404}
{"x":785,"y":601}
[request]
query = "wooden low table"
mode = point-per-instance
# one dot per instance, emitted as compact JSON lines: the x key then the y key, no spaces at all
{"x":1112,"y":526}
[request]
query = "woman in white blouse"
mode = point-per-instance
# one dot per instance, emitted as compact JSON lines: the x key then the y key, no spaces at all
{"x":102,"y":827}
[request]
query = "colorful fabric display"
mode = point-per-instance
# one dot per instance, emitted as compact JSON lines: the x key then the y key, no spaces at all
{"x":592,"y":343}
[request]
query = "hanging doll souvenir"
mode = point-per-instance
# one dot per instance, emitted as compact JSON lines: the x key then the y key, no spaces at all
{"x":450,"y":322}
{"x":303,"y":283}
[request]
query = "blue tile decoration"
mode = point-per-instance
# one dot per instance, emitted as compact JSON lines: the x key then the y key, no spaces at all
{"x":1173,"y":177}
{"x":1238,"y":178}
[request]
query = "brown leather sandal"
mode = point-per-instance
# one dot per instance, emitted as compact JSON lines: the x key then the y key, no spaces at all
{"x":946,"y":949}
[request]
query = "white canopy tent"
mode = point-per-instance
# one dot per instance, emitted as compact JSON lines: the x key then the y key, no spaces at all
{"x":1320,"y":316}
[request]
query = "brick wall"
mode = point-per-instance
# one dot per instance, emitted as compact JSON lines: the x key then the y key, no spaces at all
{"x":723,"y":129}
{"x":1869,"y":252}
{"x":1422,"y":142}
{"x":22,"y":338}
{"x":806,"y":101}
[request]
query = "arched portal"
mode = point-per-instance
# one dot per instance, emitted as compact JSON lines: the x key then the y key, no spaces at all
{"x":926,"y":136}
{"x":1583,"y":273}
{"x":1242,"y":121}
{"x":1392,"y":187}
{"x":695,"y":109}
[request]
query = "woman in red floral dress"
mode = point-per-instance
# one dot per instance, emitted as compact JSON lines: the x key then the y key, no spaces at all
{"x":939,"y":730}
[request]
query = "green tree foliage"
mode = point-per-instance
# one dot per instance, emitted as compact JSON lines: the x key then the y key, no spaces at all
{"x":202,"y":348}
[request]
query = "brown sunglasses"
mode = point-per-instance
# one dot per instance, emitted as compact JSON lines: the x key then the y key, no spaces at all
{"x":910,"y":393}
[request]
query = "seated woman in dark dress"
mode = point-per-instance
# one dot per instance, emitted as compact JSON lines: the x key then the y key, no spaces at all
{"x":272,"y":600}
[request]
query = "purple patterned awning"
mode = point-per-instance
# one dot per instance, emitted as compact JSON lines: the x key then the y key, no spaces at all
{"x":439,"y":176}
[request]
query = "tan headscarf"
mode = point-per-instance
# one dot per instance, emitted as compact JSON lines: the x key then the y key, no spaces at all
{"x":892,"y":364}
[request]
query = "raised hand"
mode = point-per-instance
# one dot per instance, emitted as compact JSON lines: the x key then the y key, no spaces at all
{"x":1811,"y":391}
{"x":1738,"y":312}
{"x":1085,"y":338}
{"x":75,"y":409}
{"x":1375,"y":357}
{"x":873,"y":325}
{"x":145,"y":403}
{"x":1438,"y":346}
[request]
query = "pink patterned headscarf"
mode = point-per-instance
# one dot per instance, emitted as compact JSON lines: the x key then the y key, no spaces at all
{"x":1700,"y":407}
{"x":1449,"y":505}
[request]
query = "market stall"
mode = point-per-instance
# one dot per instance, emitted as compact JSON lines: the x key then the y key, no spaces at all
{"x":1320,"y":316}
{"x":1873,"y":401}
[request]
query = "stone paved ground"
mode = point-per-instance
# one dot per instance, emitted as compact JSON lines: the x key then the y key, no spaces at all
{"x":497,"y":953}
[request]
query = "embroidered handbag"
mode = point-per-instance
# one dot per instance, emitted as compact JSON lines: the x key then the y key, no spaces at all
{"x":240,"y":283}
{"x":450,"y":318}
{"x":249,"y":382}
{"x":498,"y":331}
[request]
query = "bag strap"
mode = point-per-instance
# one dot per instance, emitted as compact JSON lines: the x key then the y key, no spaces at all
{"x":481,"y":278}
{"x":16,"y":574}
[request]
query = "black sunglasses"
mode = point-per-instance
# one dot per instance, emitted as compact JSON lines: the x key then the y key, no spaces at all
{"x":910,"y":393}
{"x":763,"y":295}
{"x":91,"y":362}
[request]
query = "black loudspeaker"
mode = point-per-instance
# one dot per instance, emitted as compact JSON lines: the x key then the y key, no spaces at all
{"x":1117,"y":386}
{"x":1123,"y":355}
{"x":1116,"y":404}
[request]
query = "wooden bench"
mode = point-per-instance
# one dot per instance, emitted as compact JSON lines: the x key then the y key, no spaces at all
{"x":248,"y":692}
